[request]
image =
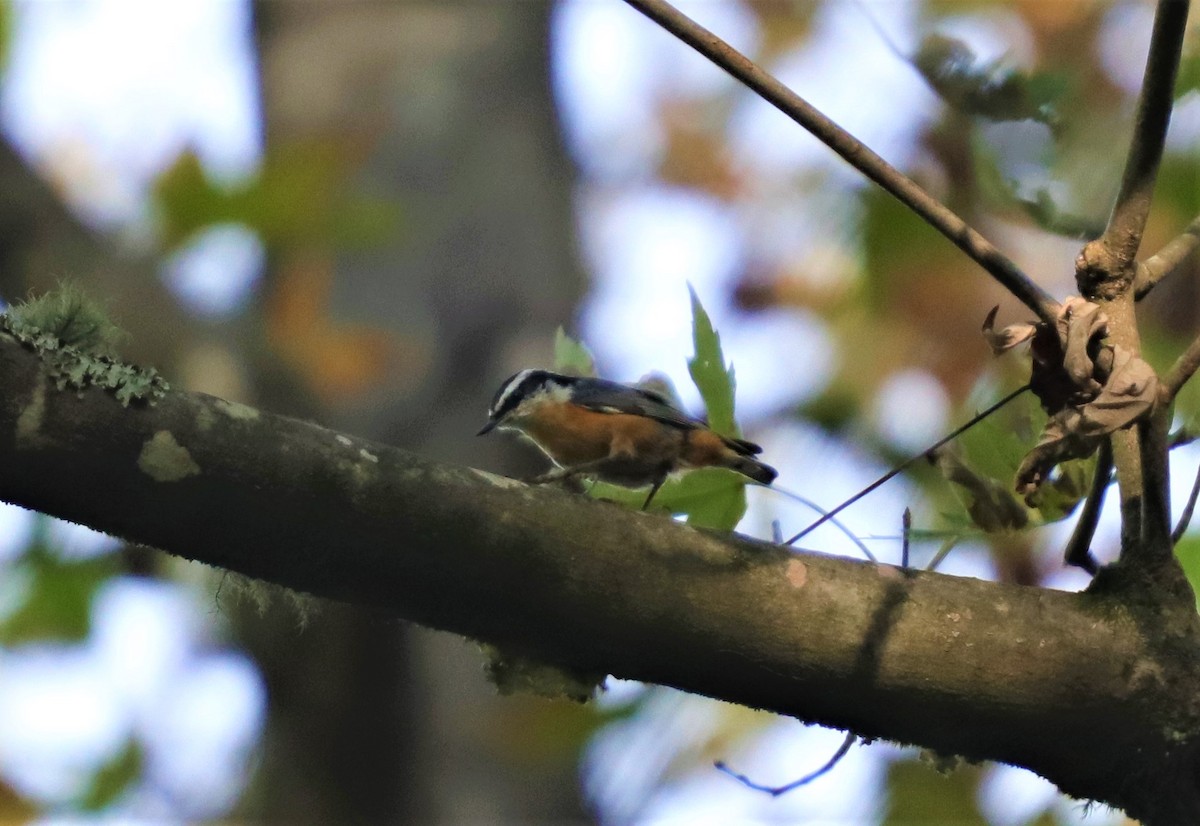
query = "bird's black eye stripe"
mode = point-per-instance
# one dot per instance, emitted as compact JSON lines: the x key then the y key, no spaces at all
{"x":509,"y":395}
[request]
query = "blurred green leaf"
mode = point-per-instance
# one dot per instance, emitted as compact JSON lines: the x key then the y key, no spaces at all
{"x":114,"y":777}
{"x":1178,"y":186}
{"x":1188,"y":79}
{"x":714,"y":381}
{"x":571,"y":357}
{"x":988,"y":90}
{"x":58,"y":600}
{"x":301,"y":195}
{"x":6,"y":31}
{"x":920,"y":794}
{"x":1187,"y":551}
{"x":1001,"y":191}
{"x":895,"y":243}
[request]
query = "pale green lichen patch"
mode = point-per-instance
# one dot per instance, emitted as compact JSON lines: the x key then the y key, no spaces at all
{"x":29,"y":420}
{"x":165,"y":460}
{"x":205,"y":418}
{"x":368,"y":455}
{"x":76,"y":343}
{"x":236,"y":410}
{"x":517,"y":674}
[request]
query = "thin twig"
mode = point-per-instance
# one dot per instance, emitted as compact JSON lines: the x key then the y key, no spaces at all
{"x":1167,"y":260}
{"x":933,"y":211}
{"x":825,"y":515}
{"x":1079,"y":548}
{"x":1182,"y":370}
{"x":896,"y":470}
{"x":1123,"y":234}
{"x":1185,"y":518}
{"x":776,"y":791}
{"x":942,"y":552}
{"x":906,"y":526}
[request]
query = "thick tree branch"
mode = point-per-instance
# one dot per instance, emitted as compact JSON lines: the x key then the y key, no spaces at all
{"x":862,"y":158}
{"x":1167,"y":260}
{"x":1094,"y":691}
{"x":1123,"y":234}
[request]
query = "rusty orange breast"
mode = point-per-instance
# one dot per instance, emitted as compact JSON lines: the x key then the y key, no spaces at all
{"x":572,"y":435}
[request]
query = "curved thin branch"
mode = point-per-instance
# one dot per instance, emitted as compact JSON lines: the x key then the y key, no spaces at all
{"x":1181,"y":371}
{"x":935,"y":213}
{"x":1185,"y":518}
{"x":1123,"y":234}
{"x":1167,"y":260}
{"x":891,"y":474}
{"x":776,"y":791}
{"x":1079,"y":547}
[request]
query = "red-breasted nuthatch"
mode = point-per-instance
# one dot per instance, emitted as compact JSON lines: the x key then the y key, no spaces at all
{"x":617,"y":433}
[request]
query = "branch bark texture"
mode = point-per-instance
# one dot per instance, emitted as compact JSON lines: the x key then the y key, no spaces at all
{"x":1090,"y":690}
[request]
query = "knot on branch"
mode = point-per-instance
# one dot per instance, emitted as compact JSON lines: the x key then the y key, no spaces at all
{"x":1089,"y":387}
{"x":1100,"y":274}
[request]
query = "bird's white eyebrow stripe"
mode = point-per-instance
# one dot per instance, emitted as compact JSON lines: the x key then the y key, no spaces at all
{"x":509,"y":390}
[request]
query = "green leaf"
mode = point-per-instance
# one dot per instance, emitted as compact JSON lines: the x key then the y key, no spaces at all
{"x":921,"y":793}
{"x":709,"y":497}
{"x":1187,"y":551}
{"x":1188,"y":79}
{"x":114,"y":777}
{"x":1058,"y":498}
{"x":714,"y":381}
{"x":300,"y":196}
{"x":988,"y":90}
{"x":58,"y":597}
{"x":572,"y":357}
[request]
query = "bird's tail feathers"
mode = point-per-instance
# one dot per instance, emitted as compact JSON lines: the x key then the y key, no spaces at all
{"x":755,"y":469}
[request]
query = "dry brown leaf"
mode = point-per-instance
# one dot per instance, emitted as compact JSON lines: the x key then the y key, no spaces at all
{"x":1007,"y":338}
{"x":1089,"y":388}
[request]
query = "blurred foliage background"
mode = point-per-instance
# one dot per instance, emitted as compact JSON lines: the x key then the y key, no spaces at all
{"x":431,"y":190}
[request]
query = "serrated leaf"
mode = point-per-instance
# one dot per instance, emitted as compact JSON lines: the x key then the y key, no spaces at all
{"x":572,"y":357}
{"x":707,"y":367}
{"x":708,"y":497}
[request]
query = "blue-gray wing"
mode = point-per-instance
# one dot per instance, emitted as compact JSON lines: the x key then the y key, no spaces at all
{"x":611,"y":397}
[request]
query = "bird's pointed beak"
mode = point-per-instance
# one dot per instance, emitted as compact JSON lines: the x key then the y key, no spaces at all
{"x":487,"y":428}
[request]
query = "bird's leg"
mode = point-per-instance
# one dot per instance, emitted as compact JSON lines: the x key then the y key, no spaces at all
{"x":658,"y":483}
{"x":564,"y":473}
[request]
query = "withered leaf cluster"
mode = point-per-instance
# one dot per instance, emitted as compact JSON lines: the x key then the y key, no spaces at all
{"x":1088,"y":386}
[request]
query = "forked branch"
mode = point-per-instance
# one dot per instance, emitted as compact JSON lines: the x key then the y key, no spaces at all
{"x":854,"y":152}
{"x":1167,"y":260}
